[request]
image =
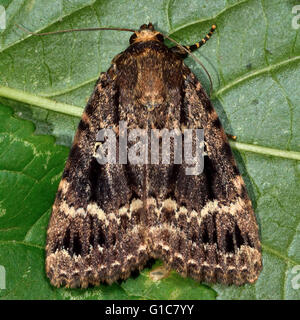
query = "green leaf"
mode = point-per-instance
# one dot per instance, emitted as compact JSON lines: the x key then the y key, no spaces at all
{"x":168,"y":286}
{"x":254,"y":61}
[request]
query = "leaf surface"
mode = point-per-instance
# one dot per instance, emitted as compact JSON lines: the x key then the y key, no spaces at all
{"x":254,"y":61}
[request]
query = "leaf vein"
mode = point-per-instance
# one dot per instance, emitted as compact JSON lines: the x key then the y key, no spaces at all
{"x":255,"y":73}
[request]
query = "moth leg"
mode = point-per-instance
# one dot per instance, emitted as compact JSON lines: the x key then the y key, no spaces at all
{"x":230,"y":136}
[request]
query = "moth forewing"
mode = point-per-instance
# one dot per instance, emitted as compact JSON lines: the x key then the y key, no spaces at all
{"x":108,"y":219}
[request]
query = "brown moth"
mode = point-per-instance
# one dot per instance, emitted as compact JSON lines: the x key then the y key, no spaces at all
{"x":110,"y":219}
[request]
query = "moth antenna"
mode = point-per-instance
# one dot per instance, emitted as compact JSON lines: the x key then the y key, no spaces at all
{"x":73,"y":30}
{"x":194,"y":57}
{"x":199,"y":44}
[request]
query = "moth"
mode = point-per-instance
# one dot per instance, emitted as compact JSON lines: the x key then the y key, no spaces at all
{"x":110,"y":219}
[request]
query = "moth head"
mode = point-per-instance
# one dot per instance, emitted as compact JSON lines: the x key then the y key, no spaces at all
{"x":146,"y":33}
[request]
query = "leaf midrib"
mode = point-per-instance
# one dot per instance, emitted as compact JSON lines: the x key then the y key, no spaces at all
{"x":75,"y":111}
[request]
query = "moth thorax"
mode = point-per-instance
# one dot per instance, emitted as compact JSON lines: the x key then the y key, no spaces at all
{"x":146,"y":35}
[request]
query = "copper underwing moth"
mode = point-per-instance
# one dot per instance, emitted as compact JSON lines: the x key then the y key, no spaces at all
{"x":109,"y":219}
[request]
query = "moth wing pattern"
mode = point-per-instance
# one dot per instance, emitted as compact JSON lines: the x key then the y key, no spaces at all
{"x":108,"y":220}
{"x":207,"y":228}
{"x":93,"y":236}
